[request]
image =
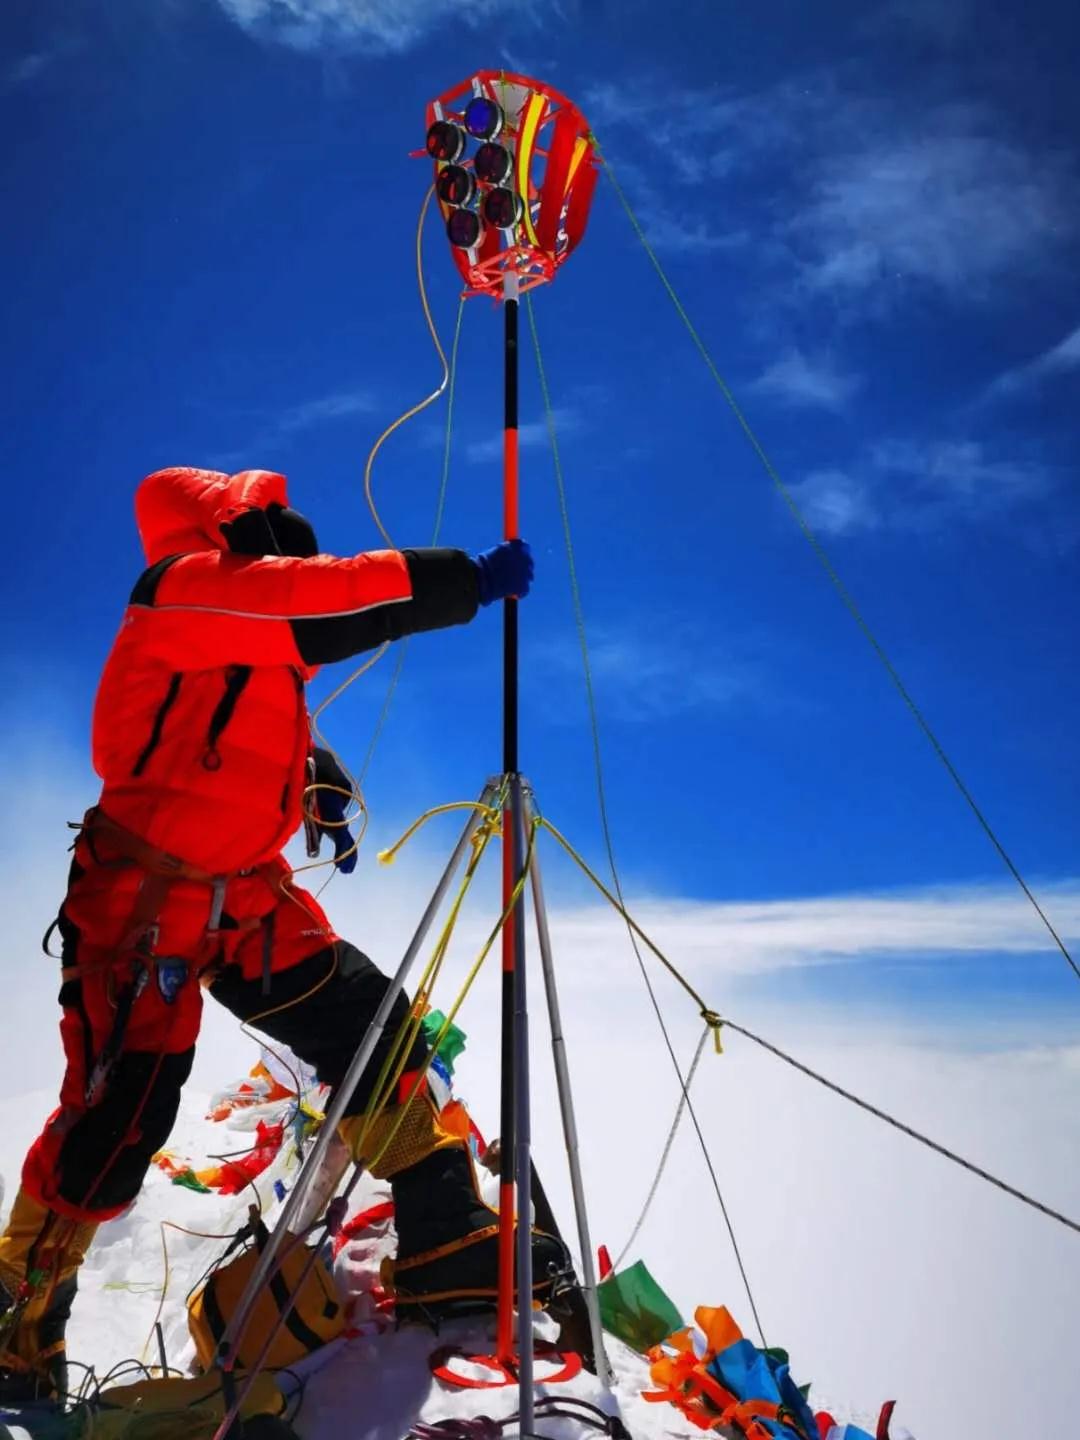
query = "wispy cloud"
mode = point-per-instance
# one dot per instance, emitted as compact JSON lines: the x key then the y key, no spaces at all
{"x":653,"y":671}
{"x":964,"y":470}
{"x":741,"y":938}
{"x":837,"y":503}
{"x":340,"y":405}
{"x":814,"y":382}
{"x":532,"y":435}
{"x":950,"y":204}
{"x":30,"y":67}
{"x":855,"y":196}
{"x":1058,"y":360}
{"x":906,"y":485}
{"x":659,"y":122}
{"x":373,"y":26}
{"x":296,"y":419}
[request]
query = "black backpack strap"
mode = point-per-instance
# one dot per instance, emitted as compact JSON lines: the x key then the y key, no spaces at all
{"x":148,"y":582}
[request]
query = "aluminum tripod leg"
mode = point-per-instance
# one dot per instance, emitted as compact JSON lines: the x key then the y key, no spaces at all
{"x":522,"y":1129}
{"x":566,"y":1106}
{"x":336,"y":1113}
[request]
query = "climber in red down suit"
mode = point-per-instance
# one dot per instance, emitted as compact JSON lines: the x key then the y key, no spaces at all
{"x":178,"y":884}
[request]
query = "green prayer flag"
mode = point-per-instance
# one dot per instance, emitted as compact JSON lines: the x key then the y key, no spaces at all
{"x":634,"y":1308}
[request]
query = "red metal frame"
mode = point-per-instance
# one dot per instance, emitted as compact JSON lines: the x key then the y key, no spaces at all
{"x":541,"y":125}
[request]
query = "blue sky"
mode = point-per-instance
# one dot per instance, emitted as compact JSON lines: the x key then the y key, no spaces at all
{"x":872,"y":215}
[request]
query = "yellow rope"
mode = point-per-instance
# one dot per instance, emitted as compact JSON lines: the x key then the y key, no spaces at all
{"x":492,"y":816}
{"x":449,"y":369}
{"x":394,"y":1064}
{"x":429,"y":399}
{"x":451,"y":1015}
{"x":708,"y":1014}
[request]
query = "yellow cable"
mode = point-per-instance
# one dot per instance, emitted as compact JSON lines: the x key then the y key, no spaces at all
{"x":428,"y":400}
{"x":708,"y":1014}
{"x":449,"y":370}
{"x":394,"y":1065}
{"x":288,"y":1004}
{"x":474,"y":971}
{"x":494,"y":816}
{"x":386,"y":1082}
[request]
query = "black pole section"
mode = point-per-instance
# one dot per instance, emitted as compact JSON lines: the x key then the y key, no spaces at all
{"x":513,"y":927}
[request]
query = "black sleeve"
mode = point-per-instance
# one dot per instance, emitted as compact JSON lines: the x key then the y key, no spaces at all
{"x":443,"y":593}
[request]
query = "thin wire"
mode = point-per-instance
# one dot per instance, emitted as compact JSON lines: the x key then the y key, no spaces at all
{"x":905,"y":1129}
{"x":594,"y":724}
{"x":667,"y":1147}
{"x":842,"y":591}
{"x":717,"y":1023}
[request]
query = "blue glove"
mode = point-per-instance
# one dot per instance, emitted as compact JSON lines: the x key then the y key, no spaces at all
{"x":330,"y":808}
{"x":504,"y":570}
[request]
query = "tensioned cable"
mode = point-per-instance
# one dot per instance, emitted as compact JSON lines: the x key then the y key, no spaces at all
{"x":666,"y":1153}
{"x":717,"y":1022}
{"x":905,"y":1129}
{"x":579,"y":620}
{"x":842,"y":591}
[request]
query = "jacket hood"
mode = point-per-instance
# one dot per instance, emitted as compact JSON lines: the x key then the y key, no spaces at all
{"x":182,"y":509}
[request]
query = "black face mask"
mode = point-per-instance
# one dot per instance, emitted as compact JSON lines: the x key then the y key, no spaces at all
{"x":277,"y":530}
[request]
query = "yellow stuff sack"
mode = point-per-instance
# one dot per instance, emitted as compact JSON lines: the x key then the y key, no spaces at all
{"x":315,"y":1318}
{"x":178,"y":1408}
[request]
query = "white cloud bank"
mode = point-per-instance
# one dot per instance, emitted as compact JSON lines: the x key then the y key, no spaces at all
{"x":870,"y":1258}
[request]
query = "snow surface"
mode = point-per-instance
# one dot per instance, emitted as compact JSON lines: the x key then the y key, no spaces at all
{"x":885,"y":1271}
{"x":372,"y":1384}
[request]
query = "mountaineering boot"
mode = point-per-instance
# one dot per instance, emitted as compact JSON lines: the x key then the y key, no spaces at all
{"x":448,"y":1237}
{"x":40,"y":1254}
{"x":448,"y":1240}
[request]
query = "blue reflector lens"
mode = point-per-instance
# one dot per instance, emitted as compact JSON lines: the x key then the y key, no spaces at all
{"x":483,"y":118}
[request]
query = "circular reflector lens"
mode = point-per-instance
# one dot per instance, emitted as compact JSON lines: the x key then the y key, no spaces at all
{"x":503,"y":208}
{"x":464,"y":229}
{"x":445,"y":141}
{"x":493,"y":163}
{"x":483,"y":118}
{"x":455,"y":185}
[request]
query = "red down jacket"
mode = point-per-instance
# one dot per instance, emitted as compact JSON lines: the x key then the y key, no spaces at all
{"x":200,"y":728}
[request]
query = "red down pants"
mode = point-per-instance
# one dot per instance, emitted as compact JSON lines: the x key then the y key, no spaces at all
{"x":129,"y":1042}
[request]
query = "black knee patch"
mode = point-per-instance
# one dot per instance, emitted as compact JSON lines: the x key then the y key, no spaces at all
{"x":324,"y":1027}
{"x":107,"y":1152}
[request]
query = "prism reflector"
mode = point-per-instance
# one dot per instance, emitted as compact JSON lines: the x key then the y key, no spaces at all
{"x":456,"y":185}
{"x":493,"y":163}
{"x":445,"y":141}
{"x":483,"y":118}
{"x":503,"y":208}
{"x":464,"y":229}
